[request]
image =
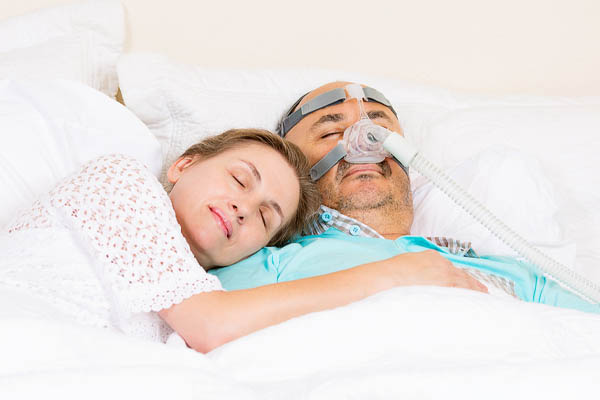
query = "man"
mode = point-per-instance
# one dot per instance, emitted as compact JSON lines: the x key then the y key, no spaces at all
{"x":367,"y":212}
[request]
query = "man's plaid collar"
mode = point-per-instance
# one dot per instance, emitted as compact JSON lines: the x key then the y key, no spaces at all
{"x":331,"y":218}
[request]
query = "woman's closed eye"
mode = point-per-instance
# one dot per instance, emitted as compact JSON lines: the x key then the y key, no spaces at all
{"x":264,"y":221}
{"x":239,"y":180}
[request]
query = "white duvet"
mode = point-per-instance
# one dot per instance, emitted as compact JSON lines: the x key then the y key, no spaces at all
{"x":417,"y":342}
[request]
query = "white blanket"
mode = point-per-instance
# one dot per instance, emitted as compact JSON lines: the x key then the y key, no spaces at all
{"x":418,"y":342}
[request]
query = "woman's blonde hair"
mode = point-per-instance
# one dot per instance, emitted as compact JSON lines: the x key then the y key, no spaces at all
{"x":309,"y":196}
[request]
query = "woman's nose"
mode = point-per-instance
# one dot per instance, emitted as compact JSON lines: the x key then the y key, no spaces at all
{"x":237,"y":213}
{"x":240,"y":211}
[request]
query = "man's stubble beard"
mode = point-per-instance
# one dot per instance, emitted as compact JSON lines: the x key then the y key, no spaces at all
{"x":396,"y":201}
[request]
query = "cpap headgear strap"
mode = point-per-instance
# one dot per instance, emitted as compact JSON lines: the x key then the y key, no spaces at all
{"x":327,"y":99}
{"x":354,"y":147}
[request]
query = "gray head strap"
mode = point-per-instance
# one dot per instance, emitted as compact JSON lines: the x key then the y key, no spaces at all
{"x":404,"y":167}
{"x":376,"y":95}
{"x":325,"y":163}
{"x":327,"y":99}
{"x":324,"y":100}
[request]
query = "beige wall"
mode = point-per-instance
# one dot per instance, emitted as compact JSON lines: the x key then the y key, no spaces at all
{"x":494,"y":46}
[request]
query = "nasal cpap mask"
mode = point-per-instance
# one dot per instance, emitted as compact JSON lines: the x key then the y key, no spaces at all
{"x":355,"y":147}
{"x":367,"y":142}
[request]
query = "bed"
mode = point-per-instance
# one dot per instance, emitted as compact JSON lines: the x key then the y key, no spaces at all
{"x":69,"y":93}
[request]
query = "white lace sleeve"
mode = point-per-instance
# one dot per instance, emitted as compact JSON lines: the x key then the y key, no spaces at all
{"x":124,"y":217}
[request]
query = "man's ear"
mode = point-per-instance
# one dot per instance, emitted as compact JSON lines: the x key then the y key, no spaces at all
{"x":176,"y":169}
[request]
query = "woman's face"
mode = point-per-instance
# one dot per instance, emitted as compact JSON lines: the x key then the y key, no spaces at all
{"x":231,"y":205}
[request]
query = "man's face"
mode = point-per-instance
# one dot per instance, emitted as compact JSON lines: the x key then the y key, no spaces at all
{"x":351,"y":188}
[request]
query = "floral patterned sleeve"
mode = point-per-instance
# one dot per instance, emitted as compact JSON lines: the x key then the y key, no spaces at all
{"x":124,"y":218}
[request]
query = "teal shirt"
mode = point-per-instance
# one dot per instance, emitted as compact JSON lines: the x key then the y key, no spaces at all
{"x":334,"y":250}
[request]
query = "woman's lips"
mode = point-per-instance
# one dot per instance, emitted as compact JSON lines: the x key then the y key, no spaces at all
{"x":222,"y":221}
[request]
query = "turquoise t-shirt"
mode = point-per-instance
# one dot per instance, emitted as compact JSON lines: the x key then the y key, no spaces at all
{"x":334,"y":250}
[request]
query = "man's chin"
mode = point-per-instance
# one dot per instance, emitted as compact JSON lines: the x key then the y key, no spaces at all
{"x":357,"y":191}
{"x":368,"y":198}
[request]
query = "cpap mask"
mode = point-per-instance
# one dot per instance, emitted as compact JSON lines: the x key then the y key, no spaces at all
{"x":367,"y":142}
{"x":355,"y":146}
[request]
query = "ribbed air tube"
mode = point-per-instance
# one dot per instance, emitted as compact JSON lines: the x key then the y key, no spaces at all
{"x":553,"y":269}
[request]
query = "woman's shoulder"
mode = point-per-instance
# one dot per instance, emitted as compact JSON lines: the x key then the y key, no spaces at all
{"x":121,"y":166}
{"x":109,"y":176}
{"x":108,"y":181}
{"x":112,"y":197}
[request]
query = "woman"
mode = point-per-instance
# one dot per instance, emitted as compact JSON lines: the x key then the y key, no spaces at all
{"x":122,"y":249}
{"x":108,"y":247}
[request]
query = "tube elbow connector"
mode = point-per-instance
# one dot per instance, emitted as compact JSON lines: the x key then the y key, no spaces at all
{"x":400,"y":147}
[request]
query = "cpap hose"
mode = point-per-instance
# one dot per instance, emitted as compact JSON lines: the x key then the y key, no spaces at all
{"x":410,"y":157}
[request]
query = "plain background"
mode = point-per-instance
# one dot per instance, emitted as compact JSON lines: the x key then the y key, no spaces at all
{"x":544,"y":47}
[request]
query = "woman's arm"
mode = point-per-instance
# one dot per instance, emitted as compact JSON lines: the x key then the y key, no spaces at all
{"x":210,"y":319}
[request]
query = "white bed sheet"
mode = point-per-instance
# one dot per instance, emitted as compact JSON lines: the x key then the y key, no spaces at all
{"x":419,"y":342}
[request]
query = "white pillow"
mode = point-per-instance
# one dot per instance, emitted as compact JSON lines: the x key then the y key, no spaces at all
{"x":561,"y":133}
{"x":512,"y":186}
{"x":181,"y":104}
{"x":80,"y":41}
{"x":49,"y":128}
